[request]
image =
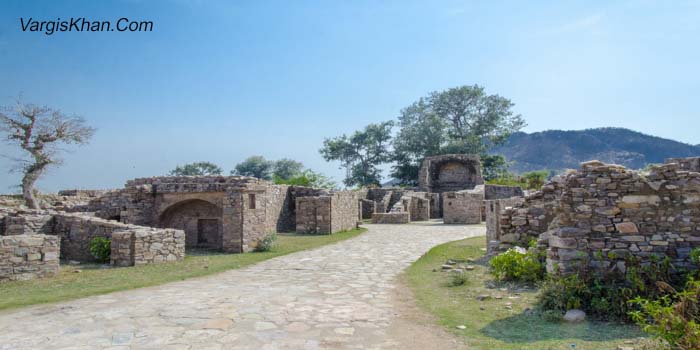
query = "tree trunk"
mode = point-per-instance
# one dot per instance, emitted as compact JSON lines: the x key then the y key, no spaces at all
{"x":28,"y":181}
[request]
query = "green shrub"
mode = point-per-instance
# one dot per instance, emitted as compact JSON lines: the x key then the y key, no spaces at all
{"x":101,"y":249}
{"x":607,"y":296}
{"x":457,"y":279}
{"x":552,"y":316}
{"x":266,"y":243}
{"x":695,"y":256}
{"x":674,"y":318}
{"x":514,"y":265}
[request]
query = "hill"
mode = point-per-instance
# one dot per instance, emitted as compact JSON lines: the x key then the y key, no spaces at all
{"x":560,"y":149}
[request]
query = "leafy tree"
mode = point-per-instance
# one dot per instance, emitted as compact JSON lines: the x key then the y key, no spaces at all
{"x":493,"y":166}
{"x":535,"y":179}
{"x":286,"y":168}
{"x":40,"y":131}
{"x":459,"y":120}
{"x":255,"y":166}
{"x":308,"y":178}
{"x":196,"y":169}
{"x":361,"y":153}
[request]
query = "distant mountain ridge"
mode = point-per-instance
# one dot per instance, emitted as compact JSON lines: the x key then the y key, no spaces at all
{"x":566,"y":149}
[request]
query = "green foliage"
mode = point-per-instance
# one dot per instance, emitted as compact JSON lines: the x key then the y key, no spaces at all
{"x":101,"y":249}
{"x":493,"y":166}
{"x":674,"y":318}
{"x":308,"y":178}
{"x":361,"y":153}
{"x":552,"y":316}
{"x":605,"y":296}
{"x":286,"y":169}
{"x":255,"y":166}
{"x":458,"y":120}
{"x":532,"y":180}
{"x":695,"y":256}
{"x":535,"y":179}
{"x":458,"y":279}
{"x":516,"y":266}
{"x":266,"y":243}
{"x":196,"y":169}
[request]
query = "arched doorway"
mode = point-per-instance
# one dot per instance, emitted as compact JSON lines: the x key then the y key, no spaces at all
{"x":200,"y":220}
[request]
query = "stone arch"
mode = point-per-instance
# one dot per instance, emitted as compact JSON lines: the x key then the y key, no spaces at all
{"x":200,"y":219}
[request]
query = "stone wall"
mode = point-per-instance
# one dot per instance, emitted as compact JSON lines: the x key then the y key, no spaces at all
{"x":493,"y":210}
{"x":76,"y":231}
{"x":25,"y":222}
{"x":450,"y":172}
{"x":462,"y":207}
{"x":608,"y":213}
{"x":143,"y":246}
{"x":327,"y":214}
{"x":687,"y":164}
{"x":391,"y":218}
{"x":24,"y":257}
{"x":345,"y":211}
{"x":313,"y":215}
{"x":502,"y":192}
{"x":368,"y":208}
{"x":531,"y":217}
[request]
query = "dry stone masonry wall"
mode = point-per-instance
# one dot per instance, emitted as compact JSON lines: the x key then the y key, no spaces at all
{"x":609,"y":213}
{"x":24,"y":257}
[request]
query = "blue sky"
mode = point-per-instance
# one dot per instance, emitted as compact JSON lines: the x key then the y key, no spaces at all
{"x":222,"y":80}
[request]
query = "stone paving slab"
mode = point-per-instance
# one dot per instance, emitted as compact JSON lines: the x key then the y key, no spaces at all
{"x":336,"y":296}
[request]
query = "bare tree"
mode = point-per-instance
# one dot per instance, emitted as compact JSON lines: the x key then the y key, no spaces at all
{"x":40,"y":131}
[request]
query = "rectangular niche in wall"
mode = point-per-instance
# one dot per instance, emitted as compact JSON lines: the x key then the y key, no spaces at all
{"x":251,"y":201}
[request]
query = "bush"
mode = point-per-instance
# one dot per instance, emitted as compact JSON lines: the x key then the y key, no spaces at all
{"x":266,"y":243}
{"x":552,"y":316}
{"x":695,"y":256}
{"x":514,"y":265}
{"x":675,"y":318}
{"x":101,"y":249}
{"x":607,"y":296}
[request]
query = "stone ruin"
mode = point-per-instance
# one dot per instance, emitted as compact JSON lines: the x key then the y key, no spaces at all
{"x":32,"y":241}
{"x":153,"y":220}
{"x":450,"y":187}
{"x":602,"y":214}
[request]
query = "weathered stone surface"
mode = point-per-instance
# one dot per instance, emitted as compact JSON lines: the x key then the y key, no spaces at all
{"x":627,"y":227}
{"x":306,"y":296}
{"x":25,"y":257}
{"x":575,"y":315}
{"x":463,"y":207}
{"x":391,"y":218}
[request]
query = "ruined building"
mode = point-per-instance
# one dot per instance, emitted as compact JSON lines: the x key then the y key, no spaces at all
{"x":599,"y":216}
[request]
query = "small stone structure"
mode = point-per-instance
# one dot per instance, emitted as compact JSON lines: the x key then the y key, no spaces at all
{"x":601,"y":215}
{"x":39,"y":237}
{"x":463,"y":207}
{"x":228,"y":213}
{"x":24,"y":257}
{"x":143,"y":246}
{"x":450,"y":172}
{"x":327,"y":214}
{"x":78,"y":230}
{"x":391,"y":218}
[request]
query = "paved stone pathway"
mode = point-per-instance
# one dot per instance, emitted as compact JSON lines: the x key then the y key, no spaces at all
{"x":336,"y":296}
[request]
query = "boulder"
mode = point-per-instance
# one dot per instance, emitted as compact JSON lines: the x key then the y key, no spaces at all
{"x":574,"y":315}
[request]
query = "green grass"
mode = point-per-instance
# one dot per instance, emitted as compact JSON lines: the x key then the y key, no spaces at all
{"x":93,"y":280}
{"x":489,"y":323}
